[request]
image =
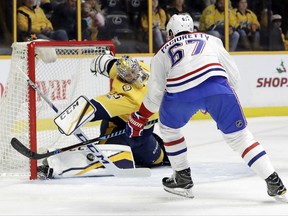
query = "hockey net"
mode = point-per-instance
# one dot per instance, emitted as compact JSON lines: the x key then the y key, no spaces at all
{"x":24,"y":114}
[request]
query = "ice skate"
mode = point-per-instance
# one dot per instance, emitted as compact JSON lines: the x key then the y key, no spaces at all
{"x":44,"y":172}
{"x":275,"y":188}
{"x":180,"y":183}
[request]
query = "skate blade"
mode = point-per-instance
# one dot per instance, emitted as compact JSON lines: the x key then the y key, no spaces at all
{"x":281,"y":198}
{"x":180,"y":192}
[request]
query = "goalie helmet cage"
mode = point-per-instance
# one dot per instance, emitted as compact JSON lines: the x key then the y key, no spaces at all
{"x":24,"y":114}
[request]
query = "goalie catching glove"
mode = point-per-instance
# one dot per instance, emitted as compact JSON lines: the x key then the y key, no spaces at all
{"x":102,"y":64}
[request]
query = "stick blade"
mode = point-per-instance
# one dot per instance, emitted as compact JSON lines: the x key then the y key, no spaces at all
{"x":18,"y":146}
{"x":133,"y":173}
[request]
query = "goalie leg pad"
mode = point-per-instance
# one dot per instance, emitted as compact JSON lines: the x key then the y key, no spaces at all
{"x":80,"y":163}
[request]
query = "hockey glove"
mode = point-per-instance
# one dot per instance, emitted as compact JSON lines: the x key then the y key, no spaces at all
{"x":135,"y":125}
{"x":100,"y":64}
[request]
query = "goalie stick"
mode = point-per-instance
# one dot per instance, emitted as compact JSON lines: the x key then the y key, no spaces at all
{"x":133,"y":172}
{"x":109,"y":165}
{"x":22,"y":149}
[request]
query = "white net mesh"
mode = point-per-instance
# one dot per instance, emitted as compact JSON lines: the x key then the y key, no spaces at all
{"x":62,"y":82}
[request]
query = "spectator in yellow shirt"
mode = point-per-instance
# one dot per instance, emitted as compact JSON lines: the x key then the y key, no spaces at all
{"x":248,"y":27}
{"x":32,"y":19}
{"x":212,"y":22}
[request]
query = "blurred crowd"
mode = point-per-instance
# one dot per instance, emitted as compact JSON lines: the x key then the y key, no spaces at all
{"x":254,"y":25}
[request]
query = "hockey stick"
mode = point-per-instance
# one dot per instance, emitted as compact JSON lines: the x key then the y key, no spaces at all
{"x":134,"y":172}
{"x":109,"y":165}
{"x":21,"y":148}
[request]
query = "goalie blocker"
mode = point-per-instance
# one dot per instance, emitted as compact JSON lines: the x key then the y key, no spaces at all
{"x":73,"y":117}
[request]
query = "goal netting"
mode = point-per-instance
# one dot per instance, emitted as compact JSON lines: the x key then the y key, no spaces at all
{"x":24,"y":114}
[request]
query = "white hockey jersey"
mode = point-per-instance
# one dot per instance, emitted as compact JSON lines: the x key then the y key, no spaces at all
{"x":185,"y":62}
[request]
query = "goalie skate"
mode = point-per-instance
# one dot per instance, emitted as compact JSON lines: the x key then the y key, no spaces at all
{"x":180,"y":183}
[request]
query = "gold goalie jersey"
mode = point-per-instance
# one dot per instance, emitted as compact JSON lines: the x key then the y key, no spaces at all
{"x":123,"y":98}
{"x":114,"y":109}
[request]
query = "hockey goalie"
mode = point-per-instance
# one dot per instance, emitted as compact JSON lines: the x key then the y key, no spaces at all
{"x":129,"y":87}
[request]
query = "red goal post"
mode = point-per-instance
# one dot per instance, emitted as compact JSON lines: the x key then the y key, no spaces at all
{"x":24,"y":114}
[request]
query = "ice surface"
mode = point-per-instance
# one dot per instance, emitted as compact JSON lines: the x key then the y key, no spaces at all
{"x":223,"y":184}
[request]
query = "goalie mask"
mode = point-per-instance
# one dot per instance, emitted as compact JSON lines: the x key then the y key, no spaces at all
{"x":130,"y":71}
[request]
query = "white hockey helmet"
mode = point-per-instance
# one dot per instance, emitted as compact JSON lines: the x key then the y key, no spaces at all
{"x":179,"y":23}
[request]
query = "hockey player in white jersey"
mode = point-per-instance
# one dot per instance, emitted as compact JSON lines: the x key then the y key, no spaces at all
{"x":191,"y":72}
